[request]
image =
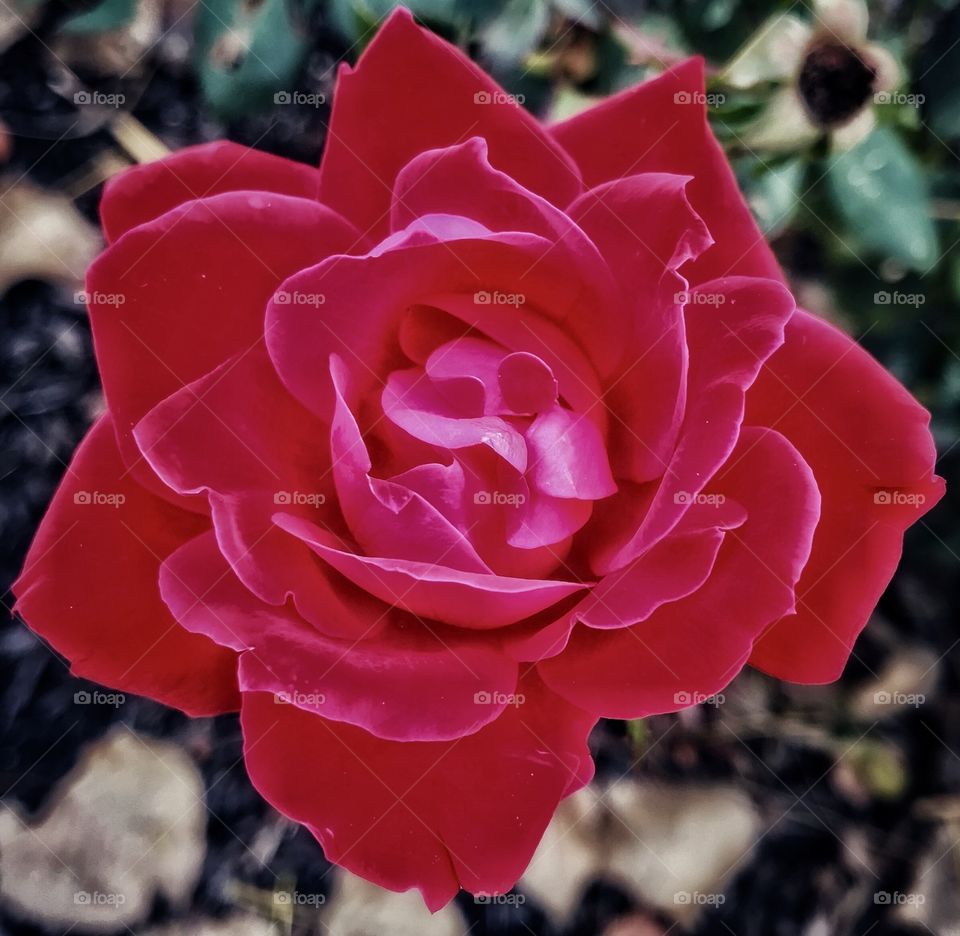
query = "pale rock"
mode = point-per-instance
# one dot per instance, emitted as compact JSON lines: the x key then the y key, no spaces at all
{"x":126,"y":824}
{"x":359,"y":908}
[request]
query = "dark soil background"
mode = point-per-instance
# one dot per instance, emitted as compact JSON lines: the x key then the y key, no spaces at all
{"x":854,"y":799}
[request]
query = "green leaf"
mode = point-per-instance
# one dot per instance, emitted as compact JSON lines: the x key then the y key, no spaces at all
{"x":580,"y":11}
{"x":774,"y":195}
{"x":248,"y":51}
{"x":517,"y":31}
{"x":878,"y":188}
{"x":105,"y":17}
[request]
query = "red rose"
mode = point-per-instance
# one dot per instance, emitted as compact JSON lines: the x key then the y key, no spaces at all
{"x":481,"y":432}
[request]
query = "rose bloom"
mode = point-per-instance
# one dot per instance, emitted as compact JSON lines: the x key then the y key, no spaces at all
{"x":427,"y":460}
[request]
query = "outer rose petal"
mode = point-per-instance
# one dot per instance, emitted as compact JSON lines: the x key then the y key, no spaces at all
{"x":411,"y":92}
{"x":237,"y":435}
{"x":145,"y":192}
{"x":179,"y":320}
{"x":863,"y":434}
{"x":692,"y":648}
{"x":661,"y":126}
{"x":90,"y":587}
{"x":437,"y":816}
{"x":405,"y":683}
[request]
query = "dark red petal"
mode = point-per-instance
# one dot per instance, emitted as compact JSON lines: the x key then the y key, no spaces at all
{"x":472,"y":600}
{"x":437,"y":816}
{"x":868,"y":443}
{"x":411,"y":92}
{"x":446,"y":264}
{"x":90,"y":586}
{"x":407,"y":683}
{"x":661,"y":126}
{"x":145,"y":192}
{"x":689,"y":649}
{"x":238,"y":436}
{"x":732,"y":327}
{"x":646,"y":230}
{"x":194,"y":286}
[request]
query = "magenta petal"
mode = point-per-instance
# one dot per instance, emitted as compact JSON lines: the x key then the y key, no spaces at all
{"x":147,"y":191}
{"x":465,"y":599}
{"x":661,"y":126}
{"x":177,"y":321}
{"x":419,"y":407}
{"x":236,"y":435}
{"x":389,"y":684}
{"x":733,"y":326}
{"x":568,"y":457}
{"x":646,"y":229}
{"x":527,"y":384}
{"x":660,"y":664}
{"x":460,"y":181}
{"x":869,"y":444}
{"x":411,"y":92}
{"x":383,"y":809}
{"x":385,"y":517}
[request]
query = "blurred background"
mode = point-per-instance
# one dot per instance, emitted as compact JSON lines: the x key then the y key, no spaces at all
{"x":770,"y":811}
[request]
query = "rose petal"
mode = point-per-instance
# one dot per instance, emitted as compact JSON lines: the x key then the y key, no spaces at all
{"x":89,"y":586}
{"x":661,"y":126}
{"x":178,"y":321}
{"x":147,"y":191}
{"x":385,"y":517}
{"x":421,"y":814}
{"x":403,"y":683}
{"x":237,"y":435}
{"x":568,"y":457}
{"x":689,"y":649}
{"x":868,"y":443}
{"x":646,"y":229}
{"x":473,"y":600}
{"x":436,"y":97}
{"x":732,"y":327}
{"x":367,"y":298}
